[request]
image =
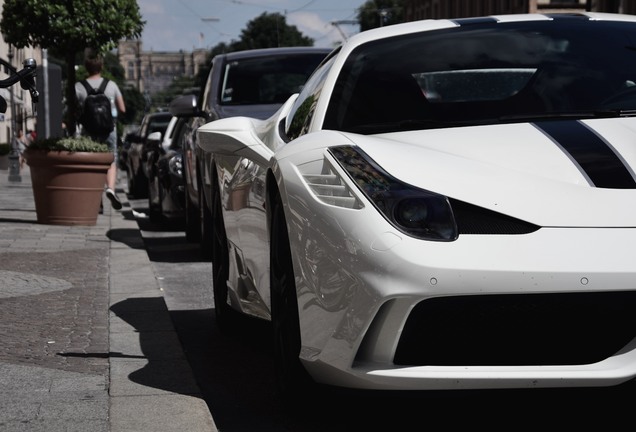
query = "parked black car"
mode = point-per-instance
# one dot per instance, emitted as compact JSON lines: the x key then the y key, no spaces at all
{"x":137,"y":152}
{"x":252,"y":83}
{"x":164,"y":166}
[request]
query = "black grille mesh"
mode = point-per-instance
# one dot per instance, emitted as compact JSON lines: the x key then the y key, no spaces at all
{"x":521,"y":329}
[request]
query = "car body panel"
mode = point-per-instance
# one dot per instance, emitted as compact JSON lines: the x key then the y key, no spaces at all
{"x":137,"y":154}
{"x":559,"y":188}
{"x":212,"y":106}
{"x":166,"y":193}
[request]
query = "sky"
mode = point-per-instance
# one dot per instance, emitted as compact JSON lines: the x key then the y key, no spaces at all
{"x":173,"y":25}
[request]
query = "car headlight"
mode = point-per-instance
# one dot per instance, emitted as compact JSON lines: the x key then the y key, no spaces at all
{"x":175,"y":165}
{"x":416,"y":212}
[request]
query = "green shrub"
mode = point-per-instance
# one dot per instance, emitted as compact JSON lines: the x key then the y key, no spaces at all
{"x":75,"y":144}
{"x":5,"y":149}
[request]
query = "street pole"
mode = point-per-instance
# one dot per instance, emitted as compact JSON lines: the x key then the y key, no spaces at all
{"x":14,"y":156}
{"x":47,"y":105}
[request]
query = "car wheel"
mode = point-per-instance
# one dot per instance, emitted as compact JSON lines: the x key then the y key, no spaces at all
{"x":205,"y":219}
{"x":140,"y":186}
{"x":220,"y":265}
{"x":291,"y":377}
{"x":154,"y":201}
{"x":131,"y":181}
{"x":192,"y":225}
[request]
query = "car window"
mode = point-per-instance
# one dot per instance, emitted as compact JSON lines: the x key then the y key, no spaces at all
{"x":158,"y":123}
{"x":178,"y":131}
{"x":266,"y":80}
{"x":204,"y":101}
{"x":485,"y":74}
{"x":301,"y":113}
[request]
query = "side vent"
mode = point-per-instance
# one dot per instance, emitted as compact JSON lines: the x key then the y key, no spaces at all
{"x":329,"y":188}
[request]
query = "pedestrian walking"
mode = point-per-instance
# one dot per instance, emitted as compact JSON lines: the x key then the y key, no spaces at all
{"x":22,"y":145}
{"x":84,"y":91}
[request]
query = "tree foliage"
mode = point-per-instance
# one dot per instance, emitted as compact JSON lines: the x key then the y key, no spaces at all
{"x":67,"y":28}
{"x":265,"y":31}
{"x":178,"y":87}
{"x":268,"y":30}
{"x":379,"y":13}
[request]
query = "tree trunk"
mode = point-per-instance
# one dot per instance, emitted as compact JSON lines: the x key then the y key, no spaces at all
{"x":71,"y":98}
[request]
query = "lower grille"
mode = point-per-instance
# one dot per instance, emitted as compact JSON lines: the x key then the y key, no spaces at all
{"x":514,"y":330}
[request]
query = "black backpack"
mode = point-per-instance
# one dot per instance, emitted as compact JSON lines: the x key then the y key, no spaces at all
{"x":97,"y":116}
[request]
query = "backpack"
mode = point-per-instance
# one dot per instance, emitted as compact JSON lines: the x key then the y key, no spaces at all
{"x":97,"y":116}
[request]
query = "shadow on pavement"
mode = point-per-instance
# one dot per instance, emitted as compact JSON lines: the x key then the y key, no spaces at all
{"x":166,"y":367}
{"x":128,"y":236}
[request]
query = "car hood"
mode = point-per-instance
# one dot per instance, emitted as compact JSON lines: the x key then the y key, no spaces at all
{"x":562,"y":173}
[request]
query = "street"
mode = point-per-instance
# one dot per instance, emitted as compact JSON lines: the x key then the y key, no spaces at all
{"x":235,"y":372}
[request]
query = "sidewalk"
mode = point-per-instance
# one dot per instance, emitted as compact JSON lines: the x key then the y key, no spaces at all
{"x":86,"y":340}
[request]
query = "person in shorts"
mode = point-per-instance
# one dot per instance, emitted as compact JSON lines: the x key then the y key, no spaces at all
{"x":94,"y":65}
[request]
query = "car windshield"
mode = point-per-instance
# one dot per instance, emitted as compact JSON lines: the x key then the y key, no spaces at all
{"x":487,"y":73}
{"x":266,"y":80}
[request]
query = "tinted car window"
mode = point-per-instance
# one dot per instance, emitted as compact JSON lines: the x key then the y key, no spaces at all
{"x":484,"y":74}
{"x":266,"y":80}
{"x":300,"y":116}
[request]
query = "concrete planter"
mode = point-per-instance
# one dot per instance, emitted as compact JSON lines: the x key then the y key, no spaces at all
{"x":67,"y":186}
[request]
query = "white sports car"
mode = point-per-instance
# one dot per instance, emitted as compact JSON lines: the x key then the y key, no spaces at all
{"x":447,"y":204}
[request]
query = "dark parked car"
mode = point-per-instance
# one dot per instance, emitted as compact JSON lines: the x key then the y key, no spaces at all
{"x":129,"y":132}
{"x":251,"y":83}
{"x":137,"y":152}
{"x":164,"y":166}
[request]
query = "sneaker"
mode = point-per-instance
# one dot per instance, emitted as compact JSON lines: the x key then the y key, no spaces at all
{"x":114,"y":201}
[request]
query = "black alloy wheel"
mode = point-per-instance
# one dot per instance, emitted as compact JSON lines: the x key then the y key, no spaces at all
{"x":192,"y":226}
{"x":220,"y":265}
{"x":291,"y":378}
{"x":206,"y":225}
{"x":154,"y":200}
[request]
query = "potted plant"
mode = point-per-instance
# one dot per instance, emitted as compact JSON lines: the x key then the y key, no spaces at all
{"x":68,"y":177}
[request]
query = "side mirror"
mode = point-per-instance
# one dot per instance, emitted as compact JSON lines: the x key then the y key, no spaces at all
{"x":185,"y":106}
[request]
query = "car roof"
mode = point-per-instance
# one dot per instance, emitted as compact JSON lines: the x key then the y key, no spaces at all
{"x":263,"y":52}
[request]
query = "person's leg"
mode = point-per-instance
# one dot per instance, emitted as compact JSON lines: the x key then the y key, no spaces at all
{"x":111,"y":174}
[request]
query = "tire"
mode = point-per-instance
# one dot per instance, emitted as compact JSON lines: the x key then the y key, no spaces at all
{"x":292,"y":380}
{"x":220,"y":266}
{"x":154,"y":201}
{"x":192,"y":224}
{"x":140,"y":189}
{"x":131,"y":181}
{"x":206,"y":229}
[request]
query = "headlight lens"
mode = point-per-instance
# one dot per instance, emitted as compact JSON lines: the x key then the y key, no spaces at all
{"x":175,"y":165}
{"x":416,"y":212}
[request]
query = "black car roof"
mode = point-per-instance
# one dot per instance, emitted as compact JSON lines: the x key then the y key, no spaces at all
{"x":262,"y":52}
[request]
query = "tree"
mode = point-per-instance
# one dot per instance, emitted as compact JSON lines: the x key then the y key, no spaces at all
{"x":264,"y":31}
{"x":68,"y":28}
{"x":179,"y":86}
{"x":270,"y":31}
{"x":378,"y":13}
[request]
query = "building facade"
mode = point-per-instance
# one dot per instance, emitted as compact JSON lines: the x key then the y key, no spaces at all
{"x":153,"y":71}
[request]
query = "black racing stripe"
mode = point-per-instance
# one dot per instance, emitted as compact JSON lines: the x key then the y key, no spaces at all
{"x":593,"y":155}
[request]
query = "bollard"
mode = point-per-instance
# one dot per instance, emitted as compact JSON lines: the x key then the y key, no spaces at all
{"x":14,"y":166}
